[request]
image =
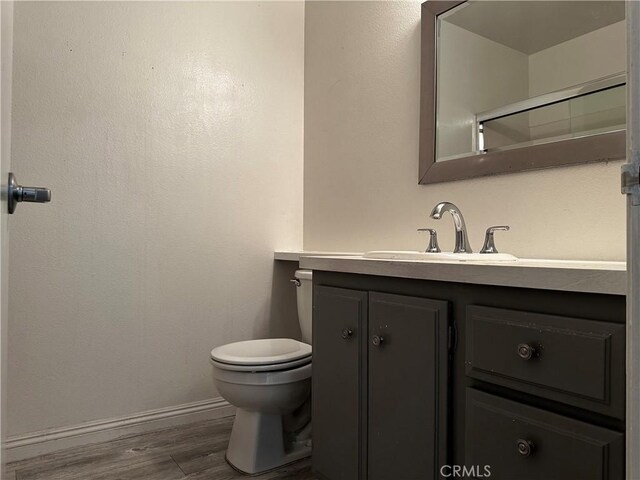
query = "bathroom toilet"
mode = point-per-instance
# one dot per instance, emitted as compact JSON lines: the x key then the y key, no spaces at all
{"x":269,"y":383}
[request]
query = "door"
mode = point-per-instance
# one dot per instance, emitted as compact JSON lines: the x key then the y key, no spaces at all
{"x":11,"y":194}
{"x":631,"y":186}
{"x":339,"y":330}
{"x":408,"y":384}
{"x":6,"y":59}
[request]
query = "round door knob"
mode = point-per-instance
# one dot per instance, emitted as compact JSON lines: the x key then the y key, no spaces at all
{"x":525,"y":447}
{"x":526,"y":351}
{"x":377,"y":340}
{"x":346,"y":333}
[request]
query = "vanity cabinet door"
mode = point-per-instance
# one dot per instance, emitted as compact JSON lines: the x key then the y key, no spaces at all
{"x":407,"y":391}
{"x":339,"y":330}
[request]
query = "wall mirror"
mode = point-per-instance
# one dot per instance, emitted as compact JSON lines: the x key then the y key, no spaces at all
{"x":509,"y":86}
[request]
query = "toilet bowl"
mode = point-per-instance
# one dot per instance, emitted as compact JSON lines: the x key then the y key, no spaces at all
{"x":269,"y":383}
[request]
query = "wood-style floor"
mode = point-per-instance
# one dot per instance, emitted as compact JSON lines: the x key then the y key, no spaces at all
{"x":193,"y":452}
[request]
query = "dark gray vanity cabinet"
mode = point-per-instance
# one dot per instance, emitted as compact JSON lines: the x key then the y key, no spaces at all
{"x":380,"y":385}
{"x":413,"y":378}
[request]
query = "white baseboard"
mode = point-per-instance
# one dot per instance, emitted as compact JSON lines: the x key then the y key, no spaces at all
{"x":19,"y":447}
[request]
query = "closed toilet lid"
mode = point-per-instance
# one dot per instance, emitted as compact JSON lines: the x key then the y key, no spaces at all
{"x":266,"y":351}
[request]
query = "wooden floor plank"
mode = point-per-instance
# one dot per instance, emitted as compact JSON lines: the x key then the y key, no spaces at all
{"x":222,"y":471}
{"x":193,"y":452}
{"x":9,"y":474}
{"x":202,"y":457}
{"x":297,"y":471}
{"x":154,"y":468}
{"x":130,"y":450}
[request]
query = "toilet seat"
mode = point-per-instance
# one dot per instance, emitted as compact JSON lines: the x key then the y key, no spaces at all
{"x":278,"y":377}
{"x":260,"y":368}
{"x":263,"y":352}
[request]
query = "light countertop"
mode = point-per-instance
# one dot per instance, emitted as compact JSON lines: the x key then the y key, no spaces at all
{"x":563,"y":275}
{"x":294,"y":256}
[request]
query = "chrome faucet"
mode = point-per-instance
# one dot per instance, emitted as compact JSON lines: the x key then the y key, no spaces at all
{"x":462,"y":241}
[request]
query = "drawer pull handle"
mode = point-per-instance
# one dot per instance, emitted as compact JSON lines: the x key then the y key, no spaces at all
{"x":347,"y":333}
{"x":526,"y":351}
{"x":525,"y":447}
{"x":377,"y":340}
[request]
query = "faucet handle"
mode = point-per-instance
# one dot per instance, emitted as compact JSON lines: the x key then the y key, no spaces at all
{"x":489,"y":243}
{"x":433,"y":240}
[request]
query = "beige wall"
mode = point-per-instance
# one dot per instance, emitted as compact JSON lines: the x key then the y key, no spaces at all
{"x":362,"y":95}
{"x":171,"y":136}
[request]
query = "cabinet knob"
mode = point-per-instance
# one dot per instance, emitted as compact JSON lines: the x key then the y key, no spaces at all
{"x":526,"y":351}
{"x":377,"y":340}
{"x":347,"y":333}
{"x":525,"y":447}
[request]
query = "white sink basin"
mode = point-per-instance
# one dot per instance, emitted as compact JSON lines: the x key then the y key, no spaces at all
{"x":441,"y":257}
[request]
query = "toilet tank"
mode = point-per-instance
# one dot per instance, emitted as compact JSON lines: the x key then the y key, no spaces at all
{"x":305,"y":302}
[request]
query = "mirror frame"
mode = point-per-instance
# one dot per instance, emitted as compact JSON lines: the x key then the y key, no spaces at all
{"x":602,"y":147}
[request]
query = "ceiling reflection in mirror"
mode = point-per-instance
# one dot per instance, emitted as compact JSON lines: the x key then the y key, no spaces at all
{"x":516,"y":73}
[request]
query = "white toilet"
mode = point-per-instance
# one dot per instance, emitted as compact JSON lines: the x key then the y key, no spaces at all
{"x":269,"y":383}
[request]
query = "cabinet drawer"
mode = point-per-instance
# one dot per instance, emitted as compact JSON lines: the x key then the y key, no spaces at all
{"x":574,"y":361}
{"x":518,"y":441}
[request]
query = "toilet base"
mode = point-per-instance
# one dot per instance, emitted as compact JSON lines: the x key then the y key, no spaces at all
{"x":257,"y":443}
{"x":258,"y":474}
